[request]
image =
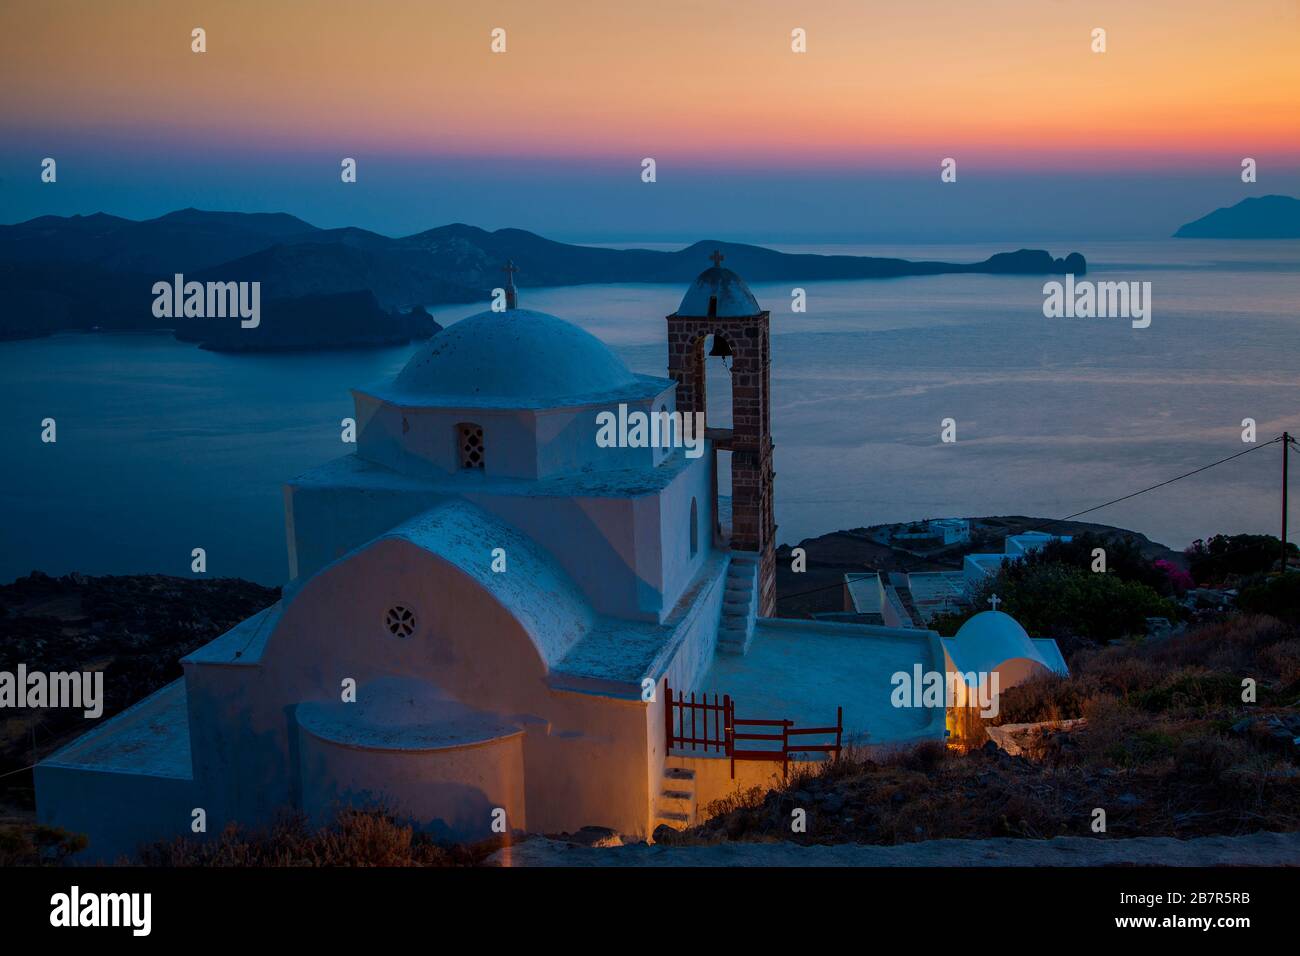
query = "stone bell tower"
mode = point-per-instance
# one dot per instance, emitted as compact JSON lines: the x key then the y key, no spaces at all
{"x":719,"y":304}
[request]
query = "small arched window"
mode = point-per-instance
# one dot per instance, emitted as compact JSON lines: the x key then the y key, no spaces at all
{"x":695,"y":527}
{"x":469,"y":438}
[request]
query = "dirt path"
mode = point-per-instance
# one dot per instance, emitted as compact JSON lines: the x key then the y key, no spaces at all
{"x":1257,"y":849}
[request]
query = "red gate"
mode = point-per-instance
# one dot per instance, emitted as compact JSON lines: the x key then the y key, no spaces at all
{"x":713,"y":726}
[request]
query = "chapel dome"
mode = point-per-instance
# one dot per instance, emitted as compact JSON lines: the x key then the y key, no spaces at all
{"x":988,"y":639}
{"x":733,"y":297}
{"x":518,"y":357}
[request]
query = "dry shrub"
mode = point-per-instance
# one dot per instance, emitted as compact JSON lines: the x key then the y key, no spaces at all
{"x":357,"y":838}
{"x":24,"y":844}
{"x":926,"y":756}
{"x":1233,"y":644}
{"x":1191,"y":689}
{"x":1118,"y":670}
{"x":1045,"y":698}
{"x":1210,"y":756}
{"x":1282,"y":660}
{"x":1111,"y":724}
{"x":739,"y":800}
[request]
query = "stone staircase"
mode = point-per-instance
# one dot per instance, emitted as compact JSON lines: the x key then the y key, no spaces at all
{"x":676,"y":804}
{"x":739,"y":604}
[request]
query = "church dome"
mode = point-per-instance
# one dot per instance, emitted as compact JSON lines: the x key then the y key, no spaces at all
{"x":733,"y":297}
{"x":989,"y":639}
{"x":514,"y":358}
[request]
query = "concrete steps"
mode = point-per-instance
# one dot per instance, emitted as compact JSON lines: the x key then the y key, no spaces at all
{"x":676,"y":804}
{"x":739,"y":604}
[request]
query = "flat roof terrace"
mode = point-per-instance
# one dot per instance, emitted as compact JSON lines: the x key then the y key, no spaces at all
{"x":803,"y":670}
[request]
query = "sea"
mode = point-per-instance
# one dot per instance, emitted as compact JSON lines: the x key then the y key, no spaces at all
{"x":163,"y":448}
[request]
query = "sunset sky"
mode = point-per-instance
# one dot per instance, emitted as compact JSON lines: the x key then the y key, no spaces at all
{"x":752,"y":141}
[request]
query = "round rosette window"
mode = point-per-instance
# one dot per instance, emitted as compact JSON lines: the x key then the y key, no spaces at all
{"x":400,"y":621}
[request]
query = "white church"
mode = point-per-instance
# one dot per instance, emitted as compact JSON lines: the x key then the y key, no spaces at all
{"x":495,"y":622}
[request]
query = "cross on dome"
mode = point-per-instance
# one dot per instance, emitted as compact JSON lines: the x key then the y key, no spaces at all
{"x":512,"y":294}
{"x":717,"y":258}
{"x":995,"y":601}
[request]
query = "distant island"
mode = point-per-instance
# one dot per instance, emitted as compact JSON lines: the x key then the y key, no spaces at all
{"x":312,"y":322}
{"x":95,"y":272}
{"x":1263,"y":217}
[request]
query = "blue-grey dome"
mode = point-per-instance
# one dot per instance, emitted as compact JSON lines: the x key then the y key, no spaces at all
{"x":988,"y":640}
{"x":516,"y":357}
{"x":733,"y":297}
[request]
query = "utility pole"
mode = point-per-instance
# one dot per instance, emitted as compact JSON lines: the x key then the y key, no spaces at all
{"x":1286,"y":457}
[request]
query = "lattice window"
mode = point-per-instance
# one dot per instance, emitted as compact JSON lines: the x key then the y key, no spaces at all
{"x":470,"y":440}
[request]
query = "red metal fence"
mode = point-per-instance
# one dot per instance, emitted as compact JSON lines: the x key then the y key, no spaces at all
{"x":701,"y":724}
{"x":713,"y":726}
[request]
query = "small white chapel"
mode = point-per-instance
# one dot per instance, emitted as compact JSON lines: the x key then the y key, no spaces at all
{"x":494,"y":621}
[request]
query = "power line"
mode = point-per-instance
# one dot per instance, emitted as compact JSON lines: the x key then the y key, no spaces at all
{"x":1188,"y":474}
{"x":1294,"y":444}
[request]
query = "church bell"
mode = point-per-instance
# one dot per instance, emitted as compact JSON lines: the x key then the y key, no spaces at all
{"x":721,"y":349}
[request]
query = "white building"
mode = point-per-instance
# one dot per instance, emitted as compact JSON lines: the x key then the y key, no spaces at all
{"x":945,"y":530}
{"x":937,"y":592}
{"x":864,"y":593}
{"x":951,"y":530}
{"x":486,"y":608}
{"x":976,"y":568}
{"x":1018,"y":545}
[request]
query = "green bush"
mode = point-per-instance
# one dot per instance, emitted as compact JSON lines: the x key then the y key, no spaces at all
{"x":1056,"y":600}
{"x":1053,"y":592}
{"x":1216,"y":561}
{"x":1278,"y":597}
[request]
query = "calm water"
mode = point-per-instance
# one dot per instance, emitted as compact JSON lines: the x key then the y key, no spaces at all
{"x":163,"y":447}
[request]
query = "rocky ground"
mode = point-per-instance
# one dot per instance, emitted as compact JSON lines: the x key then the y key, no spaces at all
{"x":1257,"y":849}
{"x":135,"y":628}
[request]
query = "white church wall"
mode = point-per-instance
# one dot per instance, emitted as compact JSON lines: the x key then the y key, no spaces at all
{"x":673,"y":521}
{"x":589,"y":767}
{"x":595,"y":541}
{"x":242,"y":731}
{"x":714,"y":781}
{"x":525,"y":444}
{"x":697,"y":633}
{"x":592,"y":539}
{"x":697,"y":638}
{"x":238,"y":743}
{"x":566,"y":442}
{"x":121,"y":810}
{"x":452,"y":794}
{"x":324,"y":522}
{"x":242,"y":728}
{"x":425,"y":442}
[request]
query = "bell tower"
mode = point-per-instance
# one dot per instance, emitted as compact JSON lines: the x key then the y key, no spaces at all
{"x":719,"y":304}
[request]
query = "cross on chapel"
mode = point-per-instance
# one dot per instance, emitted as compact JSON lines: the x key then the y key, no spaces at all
{"x":995,"y":601}
{"x":717,"y":258}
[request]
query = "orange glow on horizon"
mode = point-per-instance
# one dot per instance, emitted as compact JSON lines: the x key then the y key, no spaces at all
{"x":1005,"y":83}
